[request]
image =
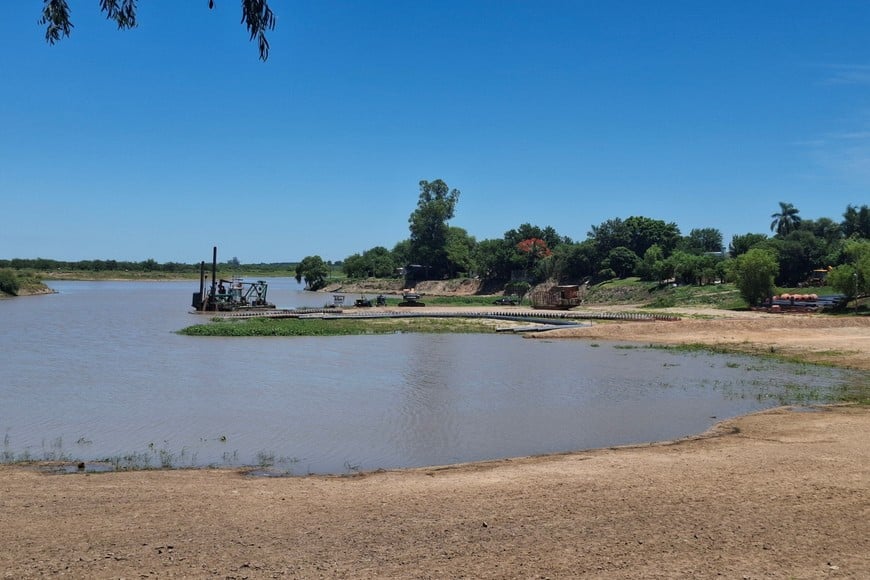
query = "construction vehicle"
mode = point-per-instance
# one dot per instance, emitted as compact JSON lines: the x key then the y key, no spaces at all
{"x":410,"y":297}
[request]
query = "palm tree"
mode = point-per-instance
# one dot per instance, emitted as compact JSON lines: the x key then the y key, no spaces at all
{"x":786,"y":221}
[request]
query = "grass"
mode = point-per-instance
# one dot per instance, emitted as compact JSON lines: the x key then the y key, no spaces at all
{"x":464,"y":301}
{"x":723,"y":296}
{"x":346,"y":327}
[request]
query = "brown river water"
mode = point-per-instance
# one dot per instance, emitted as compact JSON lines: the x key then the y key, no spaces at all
{"x":96,"y":373}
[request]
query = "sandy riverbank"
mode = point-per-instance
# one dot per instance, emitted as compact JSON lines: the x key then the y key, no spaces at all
{"x":837,"y":340}
{"x":775,"y":494}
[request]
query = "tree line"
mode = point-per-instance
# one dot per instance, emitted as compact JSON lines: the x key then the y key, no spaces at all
{"x":144,"y":266}
{"x":651,"y":249}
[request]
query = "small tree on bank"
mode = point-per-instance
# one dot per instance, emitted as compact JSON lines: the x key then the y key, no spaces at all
{"x":753,"y":273}
{"x":9,"y":282}
{"x":853,"y":277}
{"x":314,"y":271}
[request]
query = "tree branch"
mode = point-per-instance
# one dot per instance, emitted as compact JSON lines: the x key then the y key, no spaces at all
{"x":55,"y":13}
{"x":256,"y":15}
{"x":123,"y":12}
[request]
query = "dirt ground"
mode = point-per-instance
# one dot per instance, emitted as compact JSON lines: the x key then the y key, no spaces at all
{"x":779,"y":494}
{"x":839,"y":340}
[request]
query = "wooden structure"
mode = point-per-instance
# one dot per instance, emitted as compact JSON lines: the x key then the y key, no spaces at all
{"x":557,"y":297}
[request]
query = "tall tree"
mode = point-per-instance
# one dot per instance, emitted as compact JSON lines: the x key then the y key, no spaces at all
{"x":645,"y":232}
{"x":494,"y":259}
{"x":786,"y":220}
{"x":428,"y":224}
{"x":637,"y":233}
{"x":377,"y":262}
{"x":622,"y":261}
{"x":740,"y":244}
{"x":608,"y":235}
{"x":314,"y":271}
{"x":256,"y":15}
{"x":702,"y":240}
{"x":575,"y":262}
{"x":460,"y":251}
{"x":856,"y":222}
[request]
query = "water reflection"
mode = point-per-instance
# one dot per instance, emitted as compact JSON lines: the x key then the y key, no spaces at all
{"x":97,"y":372}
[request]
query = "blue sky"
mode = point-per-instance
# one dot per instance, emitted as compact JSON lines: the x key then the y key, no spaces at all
{"x":162,"y":141}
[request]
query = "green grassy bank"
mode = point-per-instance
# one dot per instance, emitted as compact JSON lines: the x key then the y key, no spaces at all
{"x":346,"y":327}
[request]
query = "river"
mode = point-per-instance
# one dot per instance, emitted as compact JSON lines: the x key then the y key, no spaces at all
{"x":96,"y":372}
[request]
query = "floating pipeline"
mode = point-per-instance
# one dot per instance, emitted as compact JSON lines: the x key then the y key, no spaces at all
{"x":546,"y":317}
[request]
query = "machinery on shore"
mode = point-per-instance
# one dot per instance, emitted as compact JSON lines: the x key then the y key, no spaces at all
{"x":410,"y":297}
{"x":228,"y":295}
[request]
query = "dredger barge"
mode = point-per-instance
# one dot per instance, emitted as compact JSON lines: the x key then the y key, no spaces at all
{"x":229,"y":295}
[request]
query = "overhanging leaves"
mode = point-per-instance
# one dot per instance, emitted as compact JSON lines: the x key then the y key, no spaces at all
{"x":256,"y":15}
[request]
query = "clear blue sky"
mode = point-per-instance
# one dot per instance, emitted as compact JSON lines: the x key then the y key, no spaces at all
{"x":162,"y":141}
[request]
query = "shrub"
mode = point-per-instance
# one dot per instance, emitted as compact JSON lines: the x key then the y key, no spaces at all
{"x":9,"y":282}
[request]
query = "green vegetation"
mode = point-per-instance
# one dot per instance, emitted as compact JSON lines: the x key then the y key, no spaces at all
{"x":9,"y":283}
{"x":754,"y":273}
{"x":344,"y":327}
{"x":637,"y":246}
{"x":314,"y":271}
{"x":852,"y":278}
{"x":723,"y":296}
{"x":18,"y":283}
{"x":786,"y":220}
{"x":429,"y":230}
{"x":43,"y":268}
{"x":636,"y":260}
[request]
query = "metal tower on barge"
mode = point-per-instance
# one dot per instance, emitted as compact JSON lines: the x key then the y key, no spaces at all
{"x":227,"y":295}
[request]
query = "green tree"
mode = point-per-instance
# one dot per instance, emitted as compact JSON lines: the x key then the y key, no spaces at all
{"x":637,"y":233}
{"x":702,"y":240}
{"x":460,"y":251}
{"x":9,"y":283}
{"x":314,"y":271}
{"x":608,"y":235}
{"x":574,"y":262}
{"x":856,"y":222}
{"x":428,"y":224}
{"x":377,"y":262}
{"x":753,"y":273}
{"x":647,"y":269}
{"x":742,"y":244}
{"x":798,"y":253}
{"x":402,"y":253}
{"x":256,"y":15}
{"x":494,"y":259}
{"x":786,"y":220}
{"x":645,"y":232}
{"x":824,"y":229}
{"x":622,"y":261}
{"x":853,"y":277}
